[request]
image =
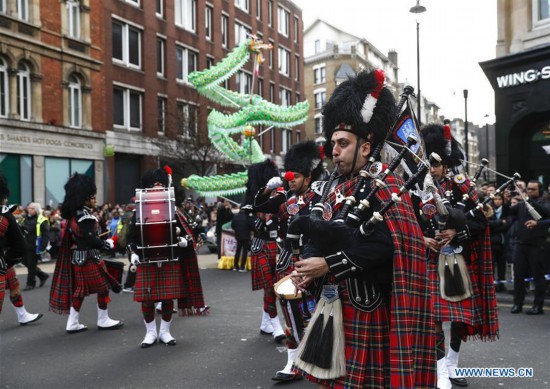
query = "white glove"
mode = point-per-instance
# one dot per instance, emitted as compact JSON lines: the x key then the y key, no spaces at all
{"x":274,"y":183}
{"x":182,"y":242}
{"x":111,"y":243}
{"x":134,"y":259}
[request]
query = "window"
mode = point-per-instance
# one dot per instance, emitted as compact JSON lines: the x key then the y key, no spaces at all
{"x":209,"y":62}
{"x":260,"y":87}
{"x":224,"y":31}
{"x":186,"y":11}
{"x":284,"y":96}
{"x":126,"y":44}
{"x":56,"y":173}
{"x":161,"y":50}
{"x":319,"y":75}
{"x":23,"y":9}
{"x":127,"y":108}
{"x":73,"y":18}
{"x":286,"y":140}
{"x":160,"y":8}
{"x":75,"y":102}
{"x":4,"y":89}
{"x":319,"y":99}
{"x":272,"y":140}
{"x":543,"y":9}
{"x":241,"y":33}
{"x":296,"y":68}
{"x":259,"y":9}
{"x":24,"y":92}
{"x":270,"y":54}
{"x":317,"y":46}
{"x":242,"y":4}
{"x":188,"y":119}
{"x":272,"y":92}
{"x":298,"y":136}
{"x":134,"y":2}
{"x":208,"y":22}
{"x":284,"y":21}
{"x":3,"y":6}
{"x":284,"y":61}
{"x":295,"y":30}
{"x":161,"y":114}
{"x":318,"y":124}
{"x":270,"y":13}
{"x":244,"y":82}
{"x":186,"y":62}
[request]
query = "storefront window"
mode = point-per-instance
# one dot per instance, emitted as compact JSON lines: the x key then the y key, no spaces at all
{"x":58,"y":171}
{"x":544,"y":5}
{"x":18,"y":172}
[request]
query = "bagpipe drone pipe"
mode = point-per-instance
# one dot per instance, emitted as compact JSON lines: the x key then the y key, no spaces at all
{"x":322,"y":233}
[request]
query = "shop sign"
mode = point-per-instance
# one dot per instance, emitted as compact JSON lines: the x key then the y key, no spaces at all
{"x":524,"y":77}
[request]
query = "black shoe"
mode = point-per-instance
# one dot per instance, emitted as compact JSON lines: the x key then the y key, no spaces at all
{"x":279,"y":339}
{"x":280,"y":376}
{"x":535,"y":310}
{"x":43,"y":280}
{"x":517,"y":309}
{"x":459,"y":381}
{"x":29,"y":287}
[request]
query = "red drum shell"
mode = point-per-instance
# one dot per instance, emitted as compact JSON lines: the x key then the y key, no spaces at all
{"x":156,"y":224}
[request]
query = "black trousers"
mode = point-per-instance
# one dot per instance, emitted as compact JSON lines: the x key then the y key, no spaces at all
{"x":30,"y":260}
{"x":219,"y":243}
{"x":499,"y":263}
{"x":528,"y":259}
{"x":241,"y":252}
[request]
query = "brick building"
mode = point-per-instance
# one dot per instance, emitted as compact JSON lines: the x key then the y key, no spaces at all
{"x":50,"y":78}
{"x":100,"y":87}
{"x":152,"y":112}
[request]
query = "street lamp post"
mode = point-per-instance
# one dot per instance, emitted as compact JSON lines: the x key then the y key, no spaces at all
{"x":418,"y":9}
{"x":466,"y":147}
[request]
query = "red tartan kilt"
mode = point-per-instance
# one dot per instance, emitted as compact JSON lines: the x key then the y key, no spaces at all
{"x":367,"y":348}
{"x":2,"y":290}
{"x":155,"y":283}
{"x":12,"y":283}
{"x":91,"y":278}
{"x":466,"y":311}
{"x":263,"y":266}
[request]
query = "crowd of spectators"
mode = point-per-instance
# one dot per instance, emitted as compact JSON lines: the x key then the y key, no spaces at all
{"x":510,"y":233}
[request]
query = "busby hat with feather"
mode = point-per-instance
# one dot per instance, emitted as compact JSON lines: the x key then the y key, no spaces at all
{"x":438,"y":139}
{"x":78,"y":189}
{"x":361,"y":105}
{"x":161,"y":176}
{"x":305,"y":158}
{"x":258,"y":176}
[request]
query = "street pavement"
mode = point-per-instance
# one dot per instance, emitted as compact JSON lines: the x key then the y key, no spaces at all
{"x":222,"y":350}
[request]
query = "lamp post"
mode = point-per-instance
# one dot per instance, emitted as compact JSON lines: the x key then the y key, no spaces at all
{"x":418,"y":9}
{"x":466,"y":148}
{"x":487,"y":140}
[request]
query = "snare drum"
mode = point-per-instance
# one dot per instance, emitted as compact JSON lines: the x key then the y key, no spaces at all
{"x":156,"y":223}
{"x":297,"y":308}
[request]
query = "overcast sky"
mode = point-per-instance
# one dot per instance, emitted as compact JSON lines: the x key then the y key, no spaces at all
{"x":455,"y":35}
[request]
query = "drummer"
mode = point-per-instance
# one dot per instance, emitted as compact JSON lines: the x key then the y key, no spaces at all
{"x":159,"y":279}
{"x":303,"y":165}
